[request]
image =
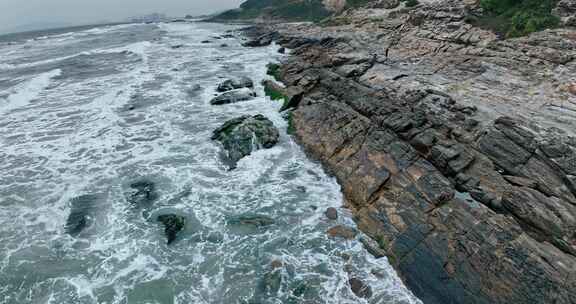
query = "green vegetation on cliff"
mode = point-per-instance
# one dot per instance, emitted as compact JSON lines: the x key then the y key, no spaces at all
{"x":514,"y":18}
{"x":293,"y":10}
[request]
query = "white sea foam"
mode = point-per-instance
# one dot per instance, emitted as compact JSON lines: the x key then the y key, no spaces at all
{"x":98,"y":135}
{"x":29,"y":91}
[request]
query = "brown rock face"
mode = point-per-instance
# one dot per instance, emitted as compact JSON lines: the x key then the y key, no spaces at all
{"x":331,"y":213}
{"x":342,"y":232}
{"x":470,"y":206}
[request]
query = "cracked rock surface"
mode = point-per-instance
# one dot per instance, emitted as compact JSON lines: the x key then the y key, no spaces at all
{"x":455,"y":150}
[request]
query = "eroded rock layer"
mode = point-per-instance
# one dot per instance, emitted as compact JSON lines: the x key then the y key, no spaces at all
{"x":472,"y":199}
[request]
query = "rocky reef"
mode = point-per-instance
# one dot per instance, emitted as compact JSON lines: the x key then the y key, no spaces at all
{"x":81,"y":211}
{"x":454,"y":148}
{"x":245,"y":134}
{"x":173,"y":224}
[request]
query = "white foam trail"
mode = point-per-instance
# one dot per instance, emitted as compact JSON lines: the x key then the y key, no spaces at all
{"x":29,"y":91}
{"x":6,"y":66}
{"x":138,"y":48}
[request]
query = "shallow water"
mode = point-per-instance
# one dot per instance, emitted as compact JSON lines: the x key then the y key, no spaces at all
{"x":91,"y":112}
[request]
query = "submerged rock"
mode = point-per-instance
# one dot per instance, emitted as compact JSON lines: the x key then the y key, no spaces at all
{"x":173,"y":224}
{"x":251,"y":220}
{"x":235,"y":83}
{"x":258,"y":42}
{"x":359,"y":288}
{"x":81,"y":208}
{"x":272,"y":282}
{"x":331,"y":213}
{"x":243,"y":135}
{"x":142,"y":194}
{"x":233,"y":96}
{"x":342,"y":232}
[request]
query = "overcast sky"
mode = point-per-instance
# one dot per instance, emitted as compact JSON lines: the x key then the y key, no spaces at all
{"x":14,"y":13}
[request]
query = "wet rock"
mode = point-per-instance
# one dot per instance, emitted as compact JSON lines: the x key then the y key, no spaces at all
{"x":243,"y":135}
{"x":205,"y":41}
{"x":513,"y":243}
{"x":194,"y":90}
{"x":331,"y":213}
{"x":386,"y":4}
{"x":233,"y":96}
{"x":235,"y":83}
{"x":173,"y":224}
{"x":342,"y":232}
{"x":81,"y":209}
{"x":373,"y":247}
{"x":359,"y":288}
{"x":251,"y":220}
{"x":258,"y":42}
{"x":271,"y":282}
{"x":142,"y":194}
{"x":282,"y":50}
{"x":276,"y":264}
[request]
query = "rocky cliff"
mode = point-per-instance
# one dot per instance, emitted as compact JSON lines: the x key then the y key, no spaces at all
{"x":455,"y":148}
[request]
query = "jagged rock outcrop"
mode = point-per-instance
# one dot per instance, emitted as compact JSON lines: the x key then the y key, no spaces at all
{"x":82,"y":209}
{"x":455,"y":149}
{"x":235,"y":83}
{"x":243,"y":135}
{"x":566,"y":10}
{"x":173,"y":224}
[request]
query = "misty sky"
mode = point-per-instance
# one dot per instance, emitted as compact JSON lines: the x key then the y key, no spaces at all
{"x":15,"y":13}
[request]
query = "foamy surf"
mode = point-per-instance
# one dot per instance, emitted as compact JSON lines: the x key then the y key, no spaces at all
{"x":29,"y":91}
{"x":95,"y":135}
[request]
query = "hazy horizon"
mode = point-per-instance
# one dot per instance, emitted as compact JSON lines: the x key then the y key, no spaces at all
{"x":18,"y":13}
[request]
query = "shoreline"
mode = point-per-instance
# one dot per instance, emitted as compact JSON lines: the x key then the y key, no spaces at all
{"x":470,"y":202}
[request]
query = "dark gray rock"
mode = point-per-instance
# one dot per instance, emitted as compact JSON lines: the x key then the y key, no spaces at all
{"x":173,"y":224}
{"x":235,"y":83}
{"x":331,"y":213}
{"x":233,"y":96}
{"x":254,"y":220}
{"x":359,"y":288}
{"x":258,"y":42}
{"x":81,"y":210}
{"x":142,"y":194}
{"x":243,"y":135}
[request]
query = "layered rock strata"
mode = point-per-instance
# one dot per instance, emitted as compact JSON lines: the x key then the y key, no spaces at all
{"x":454,"y":149}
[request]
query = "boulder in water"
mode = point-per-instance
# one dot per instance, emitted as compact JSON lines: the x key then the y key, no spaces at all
{"x":233,"y":96}
{"x":343,"y":232}
{"x":360,"y":289}
{"x":235,"y":83}
{"x":81,"y":209}
{"x":142,"y":194}
{"x":240,"y":136}
{"x":331,"y":213}
{"x":173,"y":224}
